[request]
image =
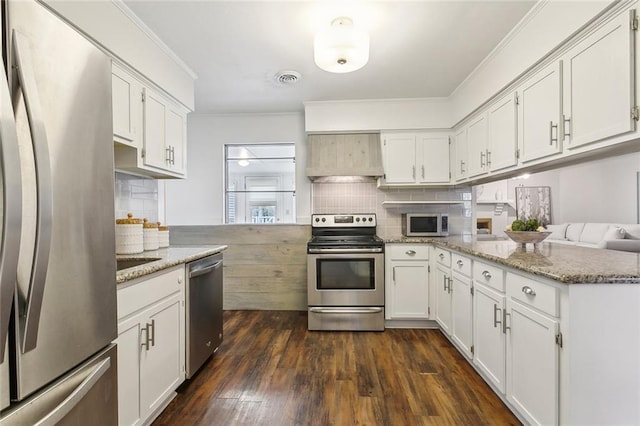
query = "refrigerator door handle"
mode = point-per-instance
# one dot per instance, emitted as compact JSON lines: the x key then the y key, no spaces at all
{"x":29,"y":322}
{"x":12,"y":209}
{"x":76,"y":396}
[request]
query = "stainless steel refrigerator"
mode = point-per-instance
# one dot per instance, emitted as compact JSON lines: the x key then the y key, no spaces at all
{"x":57,"y":259}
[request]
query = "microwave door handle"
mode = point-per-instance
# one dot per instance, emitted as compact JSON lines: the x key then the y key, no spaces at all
{"x":29,"y":323}
{"x":12,"y":209}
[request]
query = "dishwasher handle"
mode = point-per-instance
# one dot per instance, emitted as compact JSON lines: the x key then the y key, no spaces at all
{"x":204,"y":270}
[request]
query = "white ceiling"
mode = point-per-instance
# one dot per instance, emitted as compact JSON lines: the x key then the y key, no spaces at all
{"x":418,"y":48}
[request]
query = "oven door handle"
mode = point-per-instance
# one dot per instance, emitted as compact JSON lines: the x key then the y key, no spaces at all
{"x":345,"y":311}
{"x":344,"y":251}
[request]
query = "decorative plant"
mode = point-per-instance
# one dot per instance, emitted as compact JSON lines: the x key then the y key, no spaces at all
{"x":526,"y":225}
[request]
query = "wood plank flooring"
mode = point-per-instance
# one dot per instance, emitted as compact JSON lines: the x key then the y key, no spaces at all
{"x":270,"y":370}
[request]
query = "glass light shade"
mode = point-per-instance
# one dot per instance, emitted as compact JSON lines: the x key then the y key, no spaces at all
{"x":341,"y":48}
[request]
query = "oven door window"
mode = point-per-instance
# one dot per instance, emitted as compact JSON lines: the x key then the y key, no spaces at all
{"x":345,"y":274}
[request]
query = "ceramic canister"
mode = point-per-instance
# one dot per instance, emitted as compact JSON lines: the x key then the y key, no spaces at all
{"x":129,"y":235}
{"x":150,"y":235}
{"x":163,"y":236}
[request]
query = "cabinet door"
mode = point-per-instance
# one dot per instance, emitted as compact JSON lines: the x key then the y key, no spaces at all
{"x":503,"y":137}
{"x":539,"y":133}
{"x":129,"y":371}
{"x":461,"y":309}
{"x":399,"y":158}
{"x":160,"y":360}
{"x":433,"y":159}
{"x":126,"y":98}
{"x":443,"y":298}
{"x":460,"y":166}
{"x":477,"y":146}
{"x":532,"y":364}
{"x":599,"y":84}
{"x":176,"y":140}
{"x":155,"y":128}
{"x":488,"y":336}
{"x":409,"y":290}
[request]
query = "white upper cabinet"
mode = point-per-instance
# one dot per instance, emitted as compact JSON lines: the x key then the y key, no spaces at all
{"x":127,"y":107}
{"x":503,"y":136}
{"x":415,"y":158}
{"x":460,"y":166}
{"x":539,"y":117}
{"x":477,"y":145}
{"x":599,"y":84}
{"x":150,"y":130}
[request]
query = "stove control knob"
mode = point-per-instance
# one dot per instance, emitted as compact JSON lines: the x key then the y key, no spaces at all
{"x":324,"y":219}
{"x":357,"y":219}
{"x":317,"y":219}
{"x":370,"y":219}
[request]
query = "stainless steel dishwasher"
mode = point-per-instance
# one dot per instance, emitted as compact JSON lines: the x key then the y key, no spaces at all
{"x":204,"y":310}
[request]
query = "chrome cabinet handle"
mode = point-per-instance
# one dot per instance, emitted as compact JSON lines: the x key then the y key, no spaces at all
{"x":414,"y":172}
{"x":528,"y":291}
{"x":152,"y":340}
{"x":496,"y":321}
{"x":551,"y":138}
{"x":145,"y":343}
{"x":12,"y":209}
{"x":30,"y":321}
{"x":423,"y":172}
{"x":482,"y":162}
{"x":410,"y":252}
{"x":393,"y":274}
{"x":488,"y":158}
{"x":462,"y":163}
{"x":505,"y":327}
{"x":566,"y":125}
{"x":167,"y":156}
{"x":459,"y":262}
{"x":173,"y":155}
{"x":486,"y":274}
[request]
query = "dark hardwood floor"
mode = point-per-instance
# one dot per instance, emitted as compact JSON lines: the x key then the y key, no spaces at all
{"x":271,"y":371}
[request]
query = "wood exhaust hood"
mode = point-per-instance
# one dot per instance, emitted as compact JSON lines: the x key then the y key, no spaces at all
{"x":344,"y":157}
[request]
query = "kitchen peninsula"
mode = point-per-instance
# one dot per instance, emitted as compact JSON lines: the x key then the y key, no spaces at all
{"x":553,"y":329}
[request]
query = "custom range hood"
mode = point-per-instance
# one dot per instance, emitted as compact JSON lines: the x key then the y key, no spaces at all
{"x":344,"y":157}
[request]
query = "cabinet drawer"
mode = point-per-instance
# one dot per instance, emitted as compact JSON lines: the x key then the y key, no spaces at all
{"x":443,"y":257}
{"x":461,"y":264}
{"x":145,"y":292}
{"x":540,"y":296}
{"x":489,"y":275}
{"x":408,"y":252}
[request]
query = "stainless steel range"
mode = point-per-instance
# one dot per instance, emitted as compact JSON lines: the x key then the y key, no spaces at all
{"x":345,"y":273}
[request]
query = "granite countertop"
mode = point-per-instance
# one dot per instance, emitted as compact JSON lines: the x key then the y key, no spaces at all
{"x":167,"y":257}
{"x":560,"y":262}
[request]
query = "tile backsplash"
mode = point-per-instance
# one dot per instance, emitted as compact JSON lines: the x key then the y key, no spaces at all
{"x":366,"y":197}
{"x":136,"y":195}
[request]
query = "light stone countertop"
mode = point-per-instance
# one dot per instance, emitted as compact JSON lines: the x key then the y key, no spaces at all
{"x":560,"y":262}
{"x":168,"y":257}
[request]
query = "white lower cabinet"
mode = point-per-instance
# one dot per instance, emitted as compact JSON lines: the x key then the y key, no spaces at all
{"x":407,"y":282}
{"x":461,"y":313}
{"x":443,"y":297}
{"x":488,"y":335}
{"x":151,"y":345}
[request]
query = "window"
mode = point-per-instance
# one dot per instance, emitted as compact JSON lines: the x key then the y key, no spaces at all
{"x":260,"y":183}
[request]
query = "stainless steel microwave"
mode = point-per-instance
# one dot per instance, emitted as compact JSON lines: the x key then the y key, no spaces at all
{"x":425,"y":224}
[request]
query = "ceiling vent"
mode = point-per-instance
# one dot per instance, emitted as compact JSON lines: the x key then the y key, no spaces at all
{"x":288,"y":78}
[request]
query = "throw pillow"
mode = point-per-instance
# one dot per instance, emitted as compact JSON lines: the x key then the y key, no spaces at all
{"x":614,"y":233}
{"x":557,"y":231}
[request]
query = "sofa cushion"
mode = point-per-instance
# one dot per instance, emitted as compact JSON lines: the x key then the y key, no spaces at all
{"x":593,"y":233}
{"x":558,"y":232}
{"x":574,"y":230}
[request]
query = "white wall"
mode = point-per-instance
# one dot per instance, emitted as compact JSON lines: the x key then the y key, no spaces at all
{"x":604,"y":190}
{"x":199,"y":199}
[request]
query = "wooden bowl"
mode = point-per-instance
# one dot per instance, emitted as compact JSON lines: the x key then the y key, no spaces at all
{"x":524,"y":237}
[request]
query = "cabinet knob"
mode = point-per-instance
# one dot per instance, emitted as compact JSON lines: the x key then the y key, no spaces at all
{"x":441,"y":256}
{"x":411,"y":252}
{"x":459,"y":262}
{"x":179,"y":280}
{"x":486,"y":274}
{"x":528,"y":291}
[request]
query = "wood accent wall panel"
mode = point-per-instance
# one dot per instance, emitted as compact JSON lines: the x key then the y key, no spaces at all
{"x":265,"y":266}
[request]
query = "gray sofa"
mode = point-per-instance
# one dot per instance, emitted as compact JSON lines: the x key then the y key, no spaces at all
{"x":612,"y":236}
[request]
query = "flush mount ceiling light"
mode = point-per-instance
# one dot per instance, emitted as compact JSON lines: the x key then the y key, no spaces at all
{"x":341,"y":48}
{"x":287,"y":78}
